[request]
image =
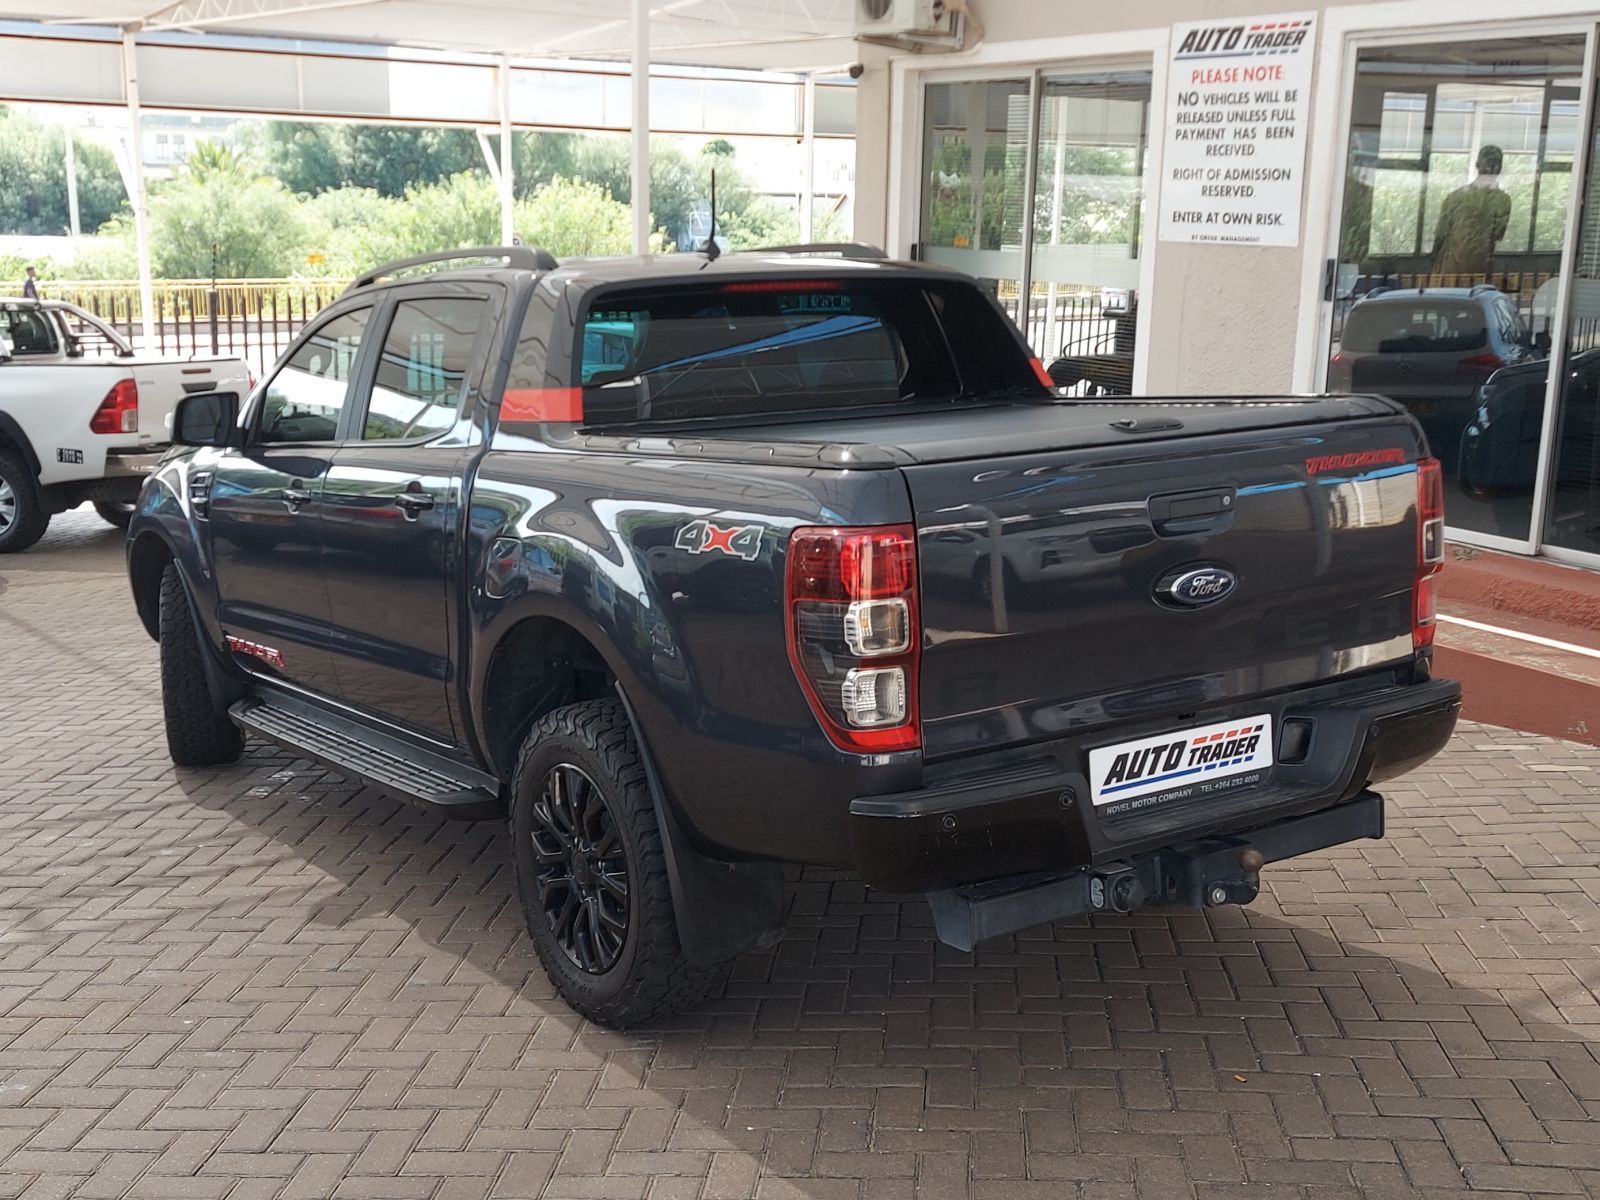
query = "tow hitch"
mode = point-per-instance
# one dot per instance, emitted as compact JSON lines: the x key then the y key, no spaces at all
{"x":1204,"y":874}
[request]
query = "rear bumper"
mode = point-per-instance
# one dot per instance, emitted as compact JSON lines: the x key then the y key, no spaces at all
{"x":133,"y":464}
{"x":1201,"y":874}
{"x":1013,"y":816}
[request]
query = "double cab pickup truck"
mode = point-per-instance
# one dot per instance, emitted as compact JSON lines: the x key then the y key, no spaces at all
{"x":82,"y":418}
{"x":687,"y":567}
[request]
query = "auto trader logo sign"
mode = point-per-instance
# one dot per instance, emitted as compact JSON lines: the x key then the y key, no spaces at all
{"x":1234,"y":159}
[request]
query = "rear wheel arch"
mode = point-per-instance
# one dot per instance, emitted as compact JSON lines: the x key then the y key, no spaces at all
{"x":540,"y":664}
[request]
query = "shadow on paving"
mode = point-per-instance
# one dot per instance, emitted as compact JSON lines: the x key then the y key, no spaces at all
{"x":1164,"y":1050}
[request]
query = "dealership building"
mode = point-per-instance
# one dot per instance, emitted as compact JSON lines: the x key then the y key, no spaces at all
{"x":1398,"y":197}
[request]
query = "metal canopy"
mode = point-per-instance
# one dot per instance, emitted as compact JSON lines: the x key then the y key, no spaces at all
{"x":750,"y":34}
{"x":754,"y":34}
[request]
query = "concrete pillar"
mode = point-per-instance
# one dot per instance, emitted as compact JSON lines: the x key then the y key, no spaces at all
{"x":641,"y":126}
{"x":136,"y":197}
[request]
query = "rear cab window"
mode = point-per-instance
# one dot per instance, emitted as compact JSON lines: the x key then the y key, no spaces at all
{"x":752,"y":347}
{"x":30,"y":332}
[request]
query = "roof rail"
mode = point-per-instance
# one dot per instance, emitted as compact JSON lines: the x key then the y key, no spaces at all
{"x":831,"y":249}
{"x":526,"y":258}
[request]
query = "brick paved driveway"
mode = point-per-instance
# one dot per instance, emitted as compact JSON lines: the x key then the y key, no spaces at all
{"x":266,"y":982}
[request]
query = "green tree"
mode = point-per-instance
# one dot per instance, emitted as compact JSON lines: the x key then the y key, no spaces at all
{"x":542,"y":155}
{"x":220,"y":220}
{"x":571,"y":217}
{"x":33,"y":178}
{"x":352,"y":228}
{"x":313,"y":158}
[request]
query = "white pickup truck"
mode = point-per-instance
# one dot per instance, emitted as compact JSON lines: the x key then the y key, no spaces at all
{"x":82,"y":418}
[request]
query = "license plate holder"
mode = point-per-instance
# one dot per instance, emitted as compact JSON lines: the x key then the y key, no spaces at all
{"x":1183,"y":764}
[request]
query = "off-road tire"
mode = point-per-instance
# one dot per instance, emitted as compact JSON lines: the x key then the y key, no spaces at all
{"x":114,"y":513}
{"x":197,"y":734}
{"x":651,"y":978}
{"x":23,"y":518}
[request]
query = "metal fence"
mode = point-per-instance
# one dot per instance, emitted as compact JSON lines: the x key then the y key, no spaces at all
{"x":253,"y":319}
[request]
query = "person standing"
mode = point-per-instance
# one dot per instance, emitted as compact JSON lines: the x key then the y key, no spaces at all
{"x":30,"y":285}
{"x":1472,"y":220}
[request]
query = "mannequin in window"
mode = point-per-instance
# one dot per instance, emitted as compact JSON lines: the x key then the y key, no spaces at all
{"x":1472,"y":220}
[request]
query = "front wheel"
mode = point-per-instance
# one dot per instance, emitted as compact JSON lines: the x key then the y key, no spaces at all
{"x":197,"y":734}
{"x":591,"y":871}
{"x":116,"y":512}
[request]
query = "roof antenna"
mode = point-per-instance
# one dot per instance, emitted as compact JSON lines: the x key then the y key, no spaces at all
{"x":710,"y":249}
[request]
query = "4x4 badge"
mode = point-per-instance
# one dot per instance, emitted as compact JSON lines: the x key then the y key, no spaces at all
{"x":702,"y":537}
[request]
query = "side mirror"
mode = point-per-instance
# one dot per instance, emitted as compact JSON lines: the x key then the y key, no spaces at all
{"x":207,"y":419}
{"x":1541,"y":342}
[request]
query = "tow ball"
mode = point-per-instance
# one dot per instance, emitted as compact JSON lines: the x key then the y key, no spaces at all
{"x":1242,"y":888}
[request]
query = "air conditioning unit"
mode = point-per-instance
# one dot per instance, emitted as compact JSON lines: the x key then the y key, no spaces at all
{"x":903,"y":18}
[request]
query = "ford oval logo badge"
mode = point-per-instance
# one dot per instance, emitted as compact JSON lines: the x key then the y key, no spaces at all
{"x":1195,"y":587}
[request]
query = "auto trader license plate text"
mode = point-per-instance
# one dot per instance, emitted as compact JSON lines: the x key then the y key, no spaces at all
{"x":1204,"y":761}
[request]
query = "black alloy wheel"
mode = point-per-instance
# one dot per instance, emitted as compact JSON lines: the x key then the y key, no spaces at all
{"x":581,"y":869}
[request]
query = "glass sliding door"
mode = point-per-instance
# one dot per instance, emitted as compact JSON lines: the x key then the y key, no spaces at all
{"x":1456,"y":192}
{"x":1036,"y":186}
{"x":1572,"y":464}
{"x":1088,"y":226}
{"x":975,"y":163}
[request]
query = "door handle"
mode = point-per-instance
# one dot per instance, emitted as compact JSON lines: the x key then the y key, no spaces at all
{"x":411,"y":503}
{"x":294,"y":496}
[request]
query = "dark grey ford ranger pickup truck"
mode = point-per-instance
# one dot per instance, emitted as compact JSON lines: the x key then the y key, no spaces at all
{"x":690,"y":566}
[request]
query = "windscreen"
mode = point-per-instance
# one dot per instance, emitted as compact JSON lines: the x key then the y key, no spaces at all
{"x":754,"y":347}
{"x":1382,"y":326}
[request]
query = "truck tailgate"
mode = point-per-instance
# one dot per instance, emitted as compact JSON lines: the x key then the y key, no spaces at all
{"x":163,"y":383}
{"x":1047,"y":577}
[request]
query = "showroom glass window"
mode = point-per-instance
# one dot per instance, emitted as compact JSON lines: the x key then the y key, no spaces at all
{"x":1457,"y":179}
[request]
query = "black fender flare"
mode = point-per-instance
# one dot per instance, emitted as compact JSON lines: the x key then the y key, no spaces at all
{"x":12,"y":432}
{"x":223,"y":683}
{"x":723,"y":908}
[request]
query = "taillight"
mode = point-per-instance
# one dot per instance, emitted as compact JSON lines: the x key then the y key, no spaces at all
{"x":855,"y":632}
{"x":1430,"y":552}
{"x":1042,"y":374}
{"x":1480,"y":364}
{"x":119,"y":411}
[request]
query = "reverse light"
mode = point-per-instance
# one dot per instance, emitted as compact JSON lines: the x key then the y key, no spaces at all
{"x":119,"y":411}
{"x":874,"y":697}
{"x":1430,"y":552}
{"x":854,"y":632}
{"x":873,"y":628}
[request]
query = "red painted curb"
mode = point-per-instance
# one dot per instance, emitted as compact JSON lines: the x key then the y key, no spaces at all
{"x":1519,"y":695}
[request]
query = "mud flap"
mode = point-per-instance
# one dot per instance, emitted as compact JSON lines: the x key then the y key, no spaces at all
{"x":723,"y":908}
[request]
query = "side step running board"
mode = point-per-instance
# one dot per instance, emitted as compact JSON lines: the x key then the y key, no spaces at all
{"x":387,"y":762}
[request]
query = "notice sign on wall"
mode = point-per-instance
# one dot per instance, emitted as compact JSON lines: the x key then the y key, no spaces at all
{"x":1234,"y":158}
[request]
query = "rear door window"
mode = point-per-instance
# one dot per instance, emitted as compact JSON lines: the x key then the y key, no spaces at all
{"x":422,"y":371}
{"x":1381,"y":326}
{"x":750,"y":347}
